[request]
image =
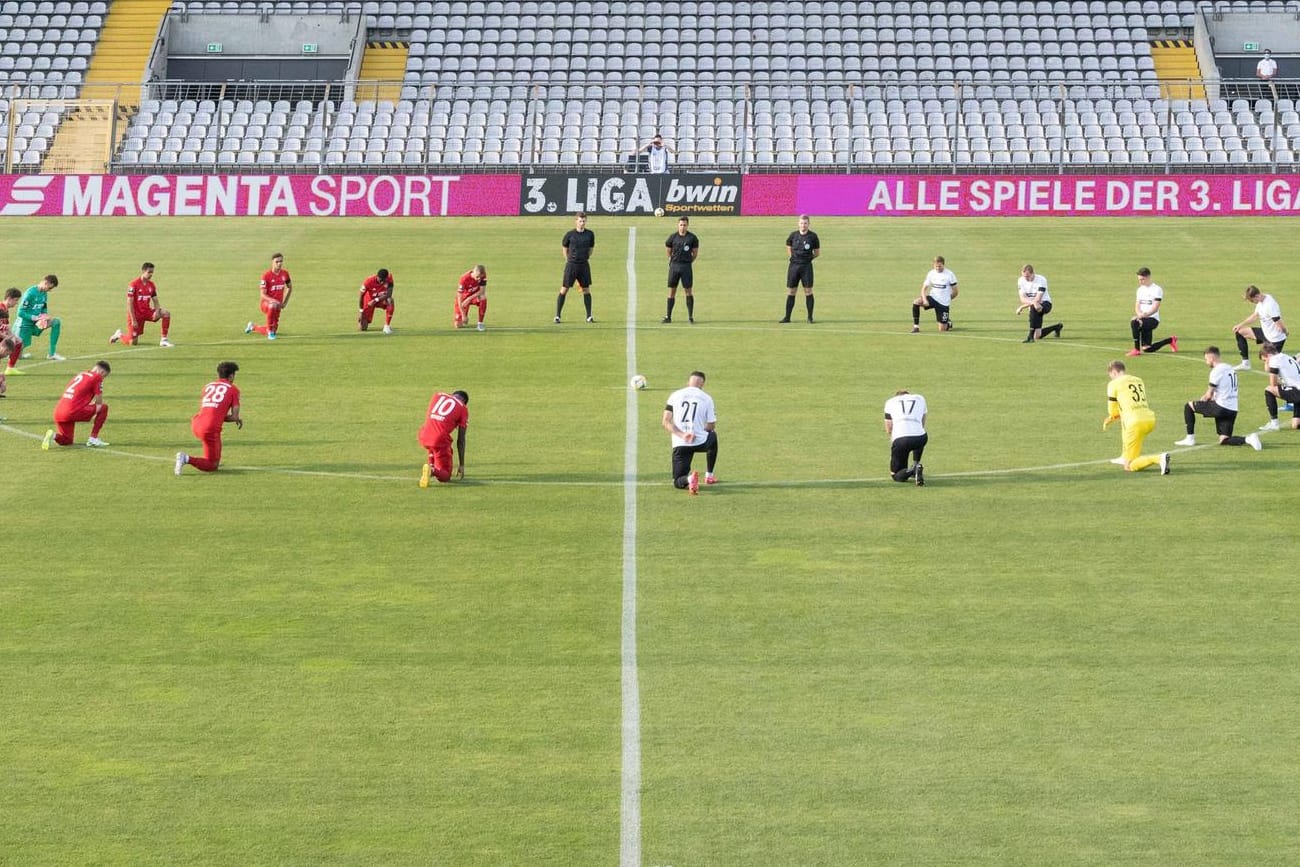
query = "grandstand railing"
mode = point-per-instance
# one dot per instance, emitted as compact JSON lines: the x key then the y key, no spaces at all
{"x":824,"y":126}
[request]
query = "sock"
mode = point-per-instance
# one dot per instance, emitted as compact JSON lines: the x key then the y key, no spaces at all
{"x":482,"y":311}
{"x":808,"y":302}
{"x":671,"y":303}
{"x":56,"y":326}
{"x":1233,"y":441}
{"x":101,"y":416}
{"x":916,"y":314}
{"x":789,"y":305}
{"x":1031,"y":334}
{"x":16,"y":354}
{"x":1270,"y":402}
{"x":1055,"y":329}
{"x":166,"y":326}
{"x":388,"y":313}
{"x":1155,"y":347}
{"x":586,"y":302}
{"x":1243,"y":348}
{"x":1189,"y":419}
{"x":690,"y":306}
{"x":559,"y":304}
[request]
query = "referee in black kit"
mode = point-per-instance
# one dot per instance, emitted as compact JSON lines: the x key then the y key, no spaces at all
{"x":682,"y":247}
{"x":802,"y":246}
{"x":577,"y":246}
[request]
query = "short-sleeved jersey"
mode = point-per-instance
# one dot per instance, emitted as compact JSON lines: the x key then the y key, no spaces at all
{"x":579,"y":245}
{"x":274,"y":283}
{"x":1269,"y":314}
{"x":657,"y":159}
{"x":1030,"y":290}
{"x":445,"y":415}
{"x":1224,"y":380}
{"x":140,"y":294}
{"x":683,"y":247}
{"x":1127,"y":397}
{"x":80,"y":393}
{"x":939,"y":284}
{"x":692,"y":409}
{"x":35,"y":303}
{"x":1286,"y":368}
{"x":907,"y":412}
{"x":1147,"y":298}
{"x":803,"y":246}
{"x":218,"y":399}
{"x":469,"y":284}
{"x":374,"y":288}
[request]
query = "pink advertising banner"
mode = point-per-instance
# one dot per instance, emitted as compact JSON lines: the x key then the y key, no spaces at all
{"x":1022,"y":196}
{"x":259,"y":195}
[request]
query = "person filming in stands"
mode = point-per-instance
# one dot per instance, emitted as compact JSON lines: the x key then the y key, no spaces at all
{"x":1271,"y":328}
{"x":801,"y":247}
{"x":682,"y":247}
{"x":471,"y":292}
{"x":376,"y":292}
{"x":656,"y":155}
{"x":1266,"y":71}
{"x":1146,"y":317}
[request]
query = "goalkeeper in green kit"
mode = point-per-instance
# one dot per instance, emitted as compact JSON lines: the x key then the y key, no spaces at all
{"x":34,"y":318}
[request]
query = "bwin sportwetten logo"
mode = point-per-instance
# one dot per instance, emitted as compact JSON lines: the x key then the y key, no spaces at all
{"x":708,"y":198}
{"x":26,"y":196}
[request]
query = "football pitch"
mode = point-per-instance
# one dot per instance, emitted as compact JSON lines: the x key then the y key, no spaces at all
{"x":306,"y":659}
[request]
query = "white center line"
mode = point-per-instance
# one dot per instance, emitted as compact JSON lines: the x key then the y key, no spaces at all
{"x":630,"y":810}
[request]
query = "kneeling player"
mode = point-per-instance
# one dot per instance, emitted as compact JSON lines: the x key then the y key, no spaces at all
{"x":938,"y":290}
{"x":14,"y":346}
{"x":472,"y":291}
{"x":1283,"y":382}
{"x":1126,"y":401}
{"x":1219,"y":403}
{"x":141,"y":307}
{"x":905,"y":415}
{"x":83,"y":400}
{"x":218,"y":405}
{"x":447,"y":413}
{"x":376,"y":292}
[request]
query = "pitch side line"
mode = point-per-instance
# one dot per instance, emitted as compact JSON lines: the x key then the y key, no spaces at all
{"x":630,"y":801}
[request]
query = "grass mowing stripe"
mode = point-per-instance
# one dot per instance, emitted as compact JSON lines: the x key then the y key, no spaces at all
{"x":630,"y":812}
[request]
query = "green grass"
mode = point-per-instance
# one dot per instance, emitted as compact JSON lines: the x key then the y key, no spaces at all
{"x":305,"y":659}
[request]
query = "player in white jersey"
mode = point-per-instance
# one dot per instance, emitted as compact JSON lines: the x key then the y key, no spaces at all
{"x":1034,"y":297}
{"x":1271,"y":328}
{"x":938,"y":290}
{"x":1219,"y":403}
{"x":690,"y":418}
{"x":1146,"y":316}
{"x":905,"y":423}
{"x":1283,"y":382}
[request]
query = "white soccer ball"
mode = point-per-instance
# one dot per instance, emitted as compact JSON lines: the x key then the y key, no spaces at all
{"x":637,"y":382}
{"x":659,"y":212}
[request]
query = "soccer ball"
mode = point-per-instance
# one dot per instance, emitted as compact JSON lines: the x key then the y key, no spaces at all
{"x":638,"y":382}
{"x":659,"y":212}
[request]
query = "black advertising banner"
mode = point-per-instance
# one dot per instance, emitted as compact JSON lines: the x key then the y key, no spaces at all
{"x":711,"y":193}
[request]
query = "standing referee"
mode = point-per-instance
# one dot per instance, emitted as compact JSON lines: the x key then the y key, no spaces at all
{"x":802,"y":247}
{"x":577,"y":246}
{"x":682,"y":247}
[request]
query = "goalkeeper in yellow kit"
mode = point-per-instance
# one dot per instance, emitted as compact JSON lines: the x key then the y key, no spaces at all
{"x":1126,"y":396}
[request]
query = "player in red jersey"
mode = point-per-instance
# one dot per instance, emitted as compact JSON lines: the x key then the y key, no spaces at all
{"x":472,"y":291}
{"x":447,"y":412}
{"x":376,"y":291}
{"x":13,"y":346}
{"x":218,"y":405}
{"x":276,"y":289}
{"x":83,"y":400}
{"x":141,"y":307}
